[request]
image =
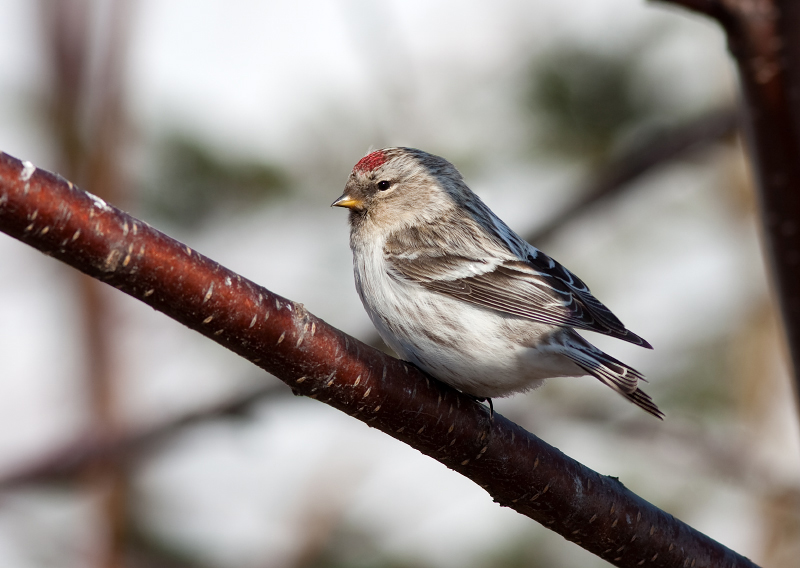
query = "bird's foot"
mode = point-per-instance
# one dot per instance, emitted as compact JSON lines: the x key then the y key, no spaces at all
{"x":485,"y":399}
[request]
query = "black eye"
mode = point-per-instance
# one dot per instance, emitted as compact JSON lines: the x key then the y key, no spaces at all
{"x":383,"y":185}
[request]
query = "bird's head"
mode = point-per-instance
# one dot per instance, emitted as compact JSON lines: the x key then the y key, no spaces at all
{"x":400,"y":186}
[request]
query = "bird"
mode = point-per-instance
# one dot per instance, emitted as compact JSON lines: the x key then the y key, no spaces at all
{"x":458,"y":294}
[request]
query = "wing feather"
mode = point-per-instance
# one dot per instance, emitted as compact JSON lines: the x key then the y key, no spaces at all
{"x":537,"y":288}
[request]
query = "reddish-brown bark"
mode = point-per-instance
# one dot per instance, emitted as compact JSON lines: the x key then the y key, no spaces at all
{"x":516,"y":468}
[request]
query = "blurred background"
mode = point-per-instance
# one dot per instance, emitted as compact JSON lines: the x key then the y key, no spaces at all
{"x":232,"y":126}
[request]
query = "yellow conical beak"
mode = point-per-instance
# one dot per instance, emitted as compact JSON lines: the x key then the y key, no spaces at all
{"x":345,"y":200}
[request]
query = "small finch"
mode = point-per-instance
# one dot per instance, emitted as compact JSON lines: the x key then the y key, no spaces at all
{"x":457,"y":293}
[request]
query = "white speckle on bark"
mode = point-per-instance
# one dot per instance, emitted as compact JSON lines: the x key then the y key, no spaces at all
{"x":76,"y":235}
{"x":281,"y":338}
{"x":208,"y":319}
{"x":112,"y":260}
{"x":253,"y":321}
{"x":27,"y":171}
{"x":99,"y":203}
{"x":149,"y":293}
{"x":208,"y":294}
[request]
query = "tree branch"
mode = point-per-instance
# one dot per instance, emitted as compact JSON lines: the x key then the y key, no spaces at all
{"x":516,"y":468}
{"x":763,"y":37}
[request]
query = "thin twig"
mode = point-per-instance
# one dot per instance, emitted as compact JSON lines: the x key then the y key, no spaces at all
{"x":73,"y":458}
{"x":616,"y":177}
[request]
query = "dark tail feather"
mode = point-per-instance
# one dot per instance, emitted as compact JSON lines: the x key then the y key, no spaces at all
{"x":635,"y":339}
{"x":613,"y":373}
{"x":643,"y":401}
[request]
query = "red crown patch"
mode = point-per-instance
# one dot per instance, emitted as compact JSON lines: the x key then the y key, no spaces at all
{"x":370,"y":162}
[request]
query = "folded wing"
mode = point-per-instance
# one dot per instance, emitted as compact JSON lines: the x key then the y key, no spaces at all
{"x":537,"y":288}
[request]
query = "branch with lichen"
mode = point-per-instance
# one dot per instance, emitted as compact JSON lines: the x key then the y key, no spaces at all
{"x":516,"y":468}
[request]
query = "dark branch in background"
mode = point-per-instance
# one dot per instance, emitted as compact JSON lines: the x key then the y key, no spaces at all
{"x":516,"y":468}
{"x":616,"y":176}
{"x":72,"y":459}
{"x":87,"y":124}
{"x":763,"y":36}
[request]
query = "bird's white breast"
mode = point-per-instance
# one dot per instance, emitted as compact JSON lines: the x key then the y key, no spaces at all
{"x":469,"y":347}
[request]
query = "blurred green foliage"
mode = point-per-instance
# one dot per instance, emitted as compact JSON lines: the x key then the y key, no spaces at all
{"x":193,"y":182}
{"x":586,"y":101}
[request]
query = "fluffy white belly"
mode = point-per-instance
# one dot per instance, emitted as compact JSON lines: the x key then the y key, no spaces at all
{"x":479,"y":351}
